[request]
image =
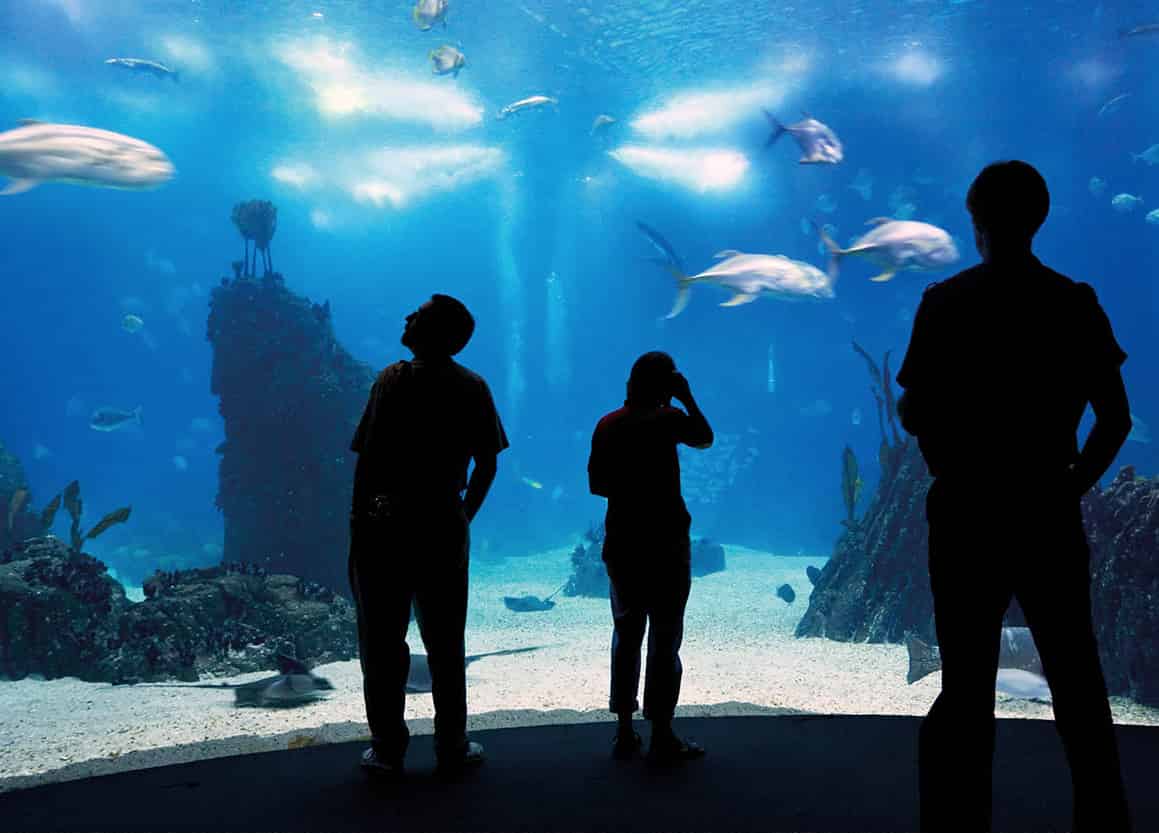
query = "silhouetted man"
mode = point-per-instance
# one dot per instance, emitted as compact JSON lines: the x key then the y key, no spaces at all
{"x":647,"y":549}
{"x":1003,"y":360}
{"x":426,"y":419}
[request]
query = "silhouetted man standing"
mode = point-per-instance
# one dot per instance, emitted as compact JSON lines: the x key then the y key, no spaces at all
{"x":647,"y":549}
{"x":1003,"y":360}
{"x":426,"y":419}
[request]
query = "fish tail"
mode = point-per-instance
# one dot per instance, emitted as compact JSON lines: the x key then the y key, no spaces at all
{"x":835,"y":251}
{"x":778,"y":128}
{"x":923,"y":659}
{"x":683,"y":290}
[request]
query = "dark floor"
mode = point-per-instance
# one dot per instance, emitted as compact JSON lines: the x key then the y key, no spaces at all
{"x":791,"y":773}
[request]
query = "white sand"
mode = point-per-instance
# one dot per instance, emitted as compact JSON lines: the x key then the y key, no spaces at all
{"x":740,"y":657}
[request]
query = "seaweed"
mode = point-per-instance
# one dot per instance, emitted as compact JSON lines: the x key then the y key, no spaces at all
{"x":16,"y":505}
{"x":115,"y":517}
{"x":70,"y":497}
{"x":48,"y":514}
{"x":850,"y":484}
{"x":882,"y":389}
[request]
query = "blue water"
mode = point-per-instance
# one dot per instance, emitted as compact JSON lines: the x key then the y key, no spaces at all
{"x":531,"y":222}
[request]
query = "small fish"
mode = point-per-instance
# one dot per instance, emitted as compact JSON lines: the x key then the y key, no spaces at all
{"x":556,"y":492}
{"x":145,"y":67}
{"x":534,"y":484}
{"x":113,"y":419}
{"x":1097,"y":186}
{"x":1150,"y":156}
{"x":897,"y":245}
{"x":529,"y":103}
{"x":1112,"y":106}
{"x":180,"y":463}
{"x":429,"y":12}
{"x":39,"y":152}
{"x":863,"y":184}
{"x":1019,"y":665}
{"x":40,"y":452}
{"x":447,"y":60}
{"x":787,"y":593}
{"x":1153,"y":217}
{"x":819,"y":144}
{"x":749,"y":276}
{"x":855,"y":417}
{"x":667,"y":255}
{"x":1125,"y":203}
{"x":1140,"y":431}
{"x":1142,"y":29}
{"x":813,"y":573}
{"x":131,"y":323}
{"x":601,"y":121}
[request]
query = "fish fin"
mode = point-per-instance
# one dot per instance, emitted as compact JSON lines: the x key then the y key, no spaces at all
{"x":683,"y":293}
{"x":19,"y":186}
{"x":27,"y":122}
{"x":727,"y":253}
{"x":877,"y":221}
{"x":739,"y":299}
{"x":923,"y":659}
{"x":835,"y":251}
{"x":885,"y":276}
{"x":778,"y":128}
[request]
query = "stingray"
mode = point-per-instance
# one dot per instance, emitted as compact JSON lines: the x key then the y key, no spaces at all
{"x":294,"y":684}
{"x":419,"y":679}
{"x":527,"y":602}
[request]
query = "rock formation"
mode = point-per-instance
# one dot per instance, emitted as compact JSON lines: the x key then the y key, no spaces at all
{"x":589,"y":577}
{"x":61,"y":614}
{"x":290,"y":397}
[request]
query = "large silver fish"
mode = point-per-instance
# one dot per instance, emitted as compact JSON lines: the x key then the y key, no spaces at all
{"x":1019,"y":665}
{"x":896,"y":245}
{"x":40,"y":152}
{"x":429,"y":12}
{"x":525,"y":104}
{"x":749,"y":276}
{"x":447,"y":60}
{"x":114,"y":419}
{"x":141,"y":65}
{"x":819,"y":144}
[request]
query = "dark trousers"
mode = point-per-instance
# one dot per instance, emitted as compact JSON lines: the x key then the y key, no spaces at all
{"x":982,"y":555}
{"x":654,"y":597}
{"x":422,"y":560}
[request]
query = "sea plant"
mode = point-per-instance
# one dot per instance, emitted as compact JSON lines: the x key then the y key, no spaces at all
{"x":70,"y":498}
{"x":882,"y":389}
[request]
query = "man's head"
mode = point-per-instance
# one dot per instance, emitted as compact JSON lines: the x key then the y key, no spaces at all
{"x":650,"y":382}
{"x":1008,"y":202}
{"x":440,"y":328}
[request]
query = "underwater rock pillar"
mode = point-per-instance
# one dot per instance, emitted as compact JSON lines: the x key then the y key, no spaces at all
{"x":511,"y":300}
{"x":290,"y":397}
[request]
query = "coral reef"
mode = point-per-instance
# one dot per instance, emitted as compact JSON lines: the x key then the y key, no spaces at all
{"x":62,"y":614}
{"x":257,"y":221}
{"x":290,"y":397}
{"x":875,"y":587}
{"x":589,"y":577}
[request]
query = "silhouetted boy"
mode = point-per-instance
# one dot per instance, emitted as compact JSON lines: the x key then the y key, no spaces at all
{"x":426,"y":419}
{"x":1003,"y":359}
{"x":646,"y":545}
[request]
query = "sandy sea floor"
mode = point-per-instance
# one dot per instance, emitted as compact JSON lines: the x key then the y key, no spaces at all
{"x":740,"y":657}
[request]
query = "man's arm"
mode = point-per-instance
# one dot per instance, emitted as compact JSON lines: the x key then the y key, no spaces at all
{"x":1112,"y":425}
{"x":913,"y":404}
{"x":482,"y":476}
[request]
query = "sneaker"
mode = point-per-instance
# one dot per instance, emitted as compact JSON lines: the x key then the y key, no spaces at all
{"x":373,"y":763}
{"x":626,"y":746}
{"x":673,"y":749}
{"x":471,"y":756}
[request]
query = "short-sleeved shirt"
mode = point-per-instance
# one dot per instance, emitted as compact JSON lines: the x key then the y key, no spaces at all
{"x":423,"y":423}
{"x":634,"y":463}
{"x":1003,"y":361}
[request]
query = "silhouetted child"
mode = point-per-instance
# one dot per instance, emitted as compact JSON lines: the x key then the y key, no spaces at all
{"x":646,"y":546}
{"x":1003,"y":360}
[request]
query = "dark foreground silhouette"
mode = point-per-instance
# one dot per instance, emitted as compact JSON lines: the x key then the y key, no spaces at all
{"x":425,"y":421}
{"x":1003,"y":360}
{"x":647,"y":549}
